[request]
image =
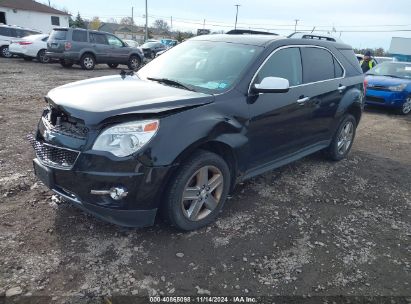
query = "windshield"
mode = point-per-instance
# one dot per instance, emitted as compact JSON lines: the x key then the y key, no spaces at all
{"x":394,"y":69}
{"x":209,"y":67}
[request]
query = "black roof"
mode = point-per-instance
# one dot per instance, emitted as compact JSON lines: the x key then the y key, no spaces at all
{"x":29,"y":5}
{"x":264,"y":40}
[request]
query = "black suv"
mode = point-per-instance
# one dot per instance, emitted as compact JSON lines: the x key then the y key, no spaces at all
{"x":179,"y":134}
{"x":87,"y":48}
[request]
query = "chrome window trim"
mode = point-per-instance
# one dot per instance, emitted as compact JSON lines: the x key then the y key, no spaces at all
{"x":298,"y":46}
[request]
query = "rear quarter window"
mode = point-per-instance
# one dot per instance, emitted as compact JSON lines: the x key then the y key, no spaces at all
{"x":350,"y":56}
{"x":58,"y":35}
{"x":79,"y":36}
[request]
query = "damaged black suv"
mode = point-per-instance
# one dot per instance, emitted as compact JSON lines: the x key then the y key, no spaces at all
{"x":176,"y":136}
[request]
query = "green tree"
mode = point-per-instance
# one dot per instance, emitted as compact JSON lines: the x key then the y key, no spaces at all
{"x":78,"y":22}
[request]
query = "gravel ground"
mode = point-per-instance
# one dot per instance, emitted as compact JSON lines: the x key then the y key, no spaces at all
{"x":312,"y":228}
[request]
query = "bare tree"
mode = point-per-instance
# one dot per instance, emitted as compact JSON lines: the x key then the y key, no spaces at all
{"x":95,"y":23}
{"x":126,"y":21}
{"x":161,"y":25}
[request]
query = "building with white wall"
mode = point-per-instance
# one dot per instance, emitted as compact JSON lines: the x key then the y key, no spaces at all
{"x":33,"y":15}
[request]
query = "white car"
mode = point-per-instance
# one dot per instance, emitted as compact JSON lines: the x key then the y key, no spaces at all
{"x":131,"y":43}
{"x":31,"y":47}
{"x":10,"y":32}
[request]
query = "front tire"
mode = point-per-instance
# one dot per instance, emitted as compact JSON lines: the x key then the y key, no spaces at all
{"x":406,"y":107}
{"x":343,"y":139}
{"x":87,"y":62}
{"x":197,"y":192}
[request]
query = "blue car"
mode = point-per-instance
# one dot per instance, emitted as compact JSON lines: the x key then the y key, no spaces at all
{"x":389,"y":85}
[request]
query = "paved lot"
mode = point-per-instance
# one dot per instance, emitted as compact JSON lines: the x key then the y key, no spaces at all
{"x":310,"y":228}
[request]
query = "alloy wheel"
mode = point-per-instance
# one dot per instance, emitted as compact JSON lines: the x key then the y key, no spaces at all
{"x":202,"y":193}
{"x":406,"y":107}
{"x":88,"y":62}
{"x":5,"y":52}
{"x":134,"y":63}
{"x":345,"y":137}
{"x":43,"y":57}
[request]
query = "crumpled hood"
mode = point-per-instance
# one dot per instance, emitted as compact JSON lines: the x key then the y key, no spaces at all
{"x":96,"y":99}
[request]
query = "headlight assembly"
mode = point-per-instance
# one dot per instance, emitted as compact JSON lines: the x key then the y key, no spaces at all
{"x":397,"y":88}
{"x":126,"y":138}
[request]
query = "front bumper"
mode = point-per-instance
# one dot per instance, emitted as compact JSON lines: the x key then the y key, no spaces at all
{"x":385,"y":98}
{"x":96,"y":172}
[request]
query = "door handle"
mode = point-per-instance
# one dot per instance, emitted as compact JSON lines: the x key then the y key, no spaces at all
{"x":341,"y":88}
{"x":303,"y":100}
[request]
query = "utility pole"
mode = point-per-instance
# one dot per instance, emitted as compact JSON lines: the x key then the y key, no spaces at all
{"x":204,"y":24}
{"x":295,"y":26}
{"x":132,"y":21}
{"x":146,"y":32}
{"x":236,"y":15}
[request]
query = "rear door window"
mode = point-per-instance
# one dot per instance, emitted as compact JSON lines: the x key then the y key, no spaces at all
{"x":80,"y":36}
{"x":58,"y":35}
{"x":98,"y":38}
{"x":5,"y":31}
{"x":318,"y":64}
{"x":285,"y":63}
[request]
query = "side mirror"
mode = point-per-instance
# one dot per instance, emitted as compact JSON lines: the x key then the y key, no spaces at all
{"x":272,"y":85}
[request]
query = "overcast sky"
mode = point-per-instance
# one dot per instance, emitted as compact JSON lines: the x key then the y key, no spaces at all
{"x":278,"y":16}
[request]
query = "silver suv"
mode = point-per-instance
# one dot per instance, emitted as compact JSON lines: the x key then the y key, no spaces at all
{"x":9,"y":33}
{"x":88,"y":48}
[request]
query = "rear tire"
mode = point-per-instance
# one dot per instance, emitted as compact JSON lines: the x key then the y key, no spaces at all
{"x":42,"y":57}
{"x":134,"y":62}
{"x":113,"y":65}
{"x":88,"y":62}
{"x":4,"y":51}
{"x":406,"y":107}
{"x":197,"y":191}
{"x":66,"y":64}
{"x":343,"y":139}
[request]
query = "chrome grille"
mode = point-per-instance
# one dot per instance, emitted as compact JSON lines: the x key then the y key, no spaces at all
{"x":53,"y":156}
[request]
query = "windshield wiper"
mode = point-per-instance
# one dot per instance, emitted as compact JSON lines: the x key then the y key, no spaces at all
{"x":172,"y":82}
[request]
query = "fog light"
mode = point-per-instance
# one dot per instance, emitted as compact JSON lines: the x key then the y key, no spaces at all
{"x":116,"y":193}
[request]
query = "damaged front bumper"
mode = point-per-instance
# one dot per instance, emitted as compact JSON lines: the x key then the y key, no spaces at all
{"x":85,"y":180}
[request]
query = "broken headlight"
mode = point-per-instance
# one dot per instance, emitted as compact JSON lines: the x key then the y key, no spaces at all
{"x":126,"y":138}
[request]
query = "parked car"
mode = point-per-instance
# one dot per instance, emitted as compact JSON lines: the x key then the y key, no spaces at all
{"x":381,"y":59}
{"x":88,"y":48}
{"x":131,"y":43}
{"x":31,"y":47}
{"x":150,"y":49}
{"x":169,"y":43}
{"x":180,"y":133}
{"x":389,"y":85}
{"x":9,"y":33}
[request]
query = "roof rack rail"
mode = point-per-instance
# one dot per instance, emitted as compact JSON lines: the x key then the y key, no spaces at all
{"x":315,"y":36}
{"x":243,"y":32}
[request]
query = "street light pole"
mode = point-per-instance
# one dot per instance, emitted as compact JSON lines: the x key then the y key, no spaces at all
{"x":236,"y":15}
{"x":146,"y":31}
{"x":295,"y":26}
